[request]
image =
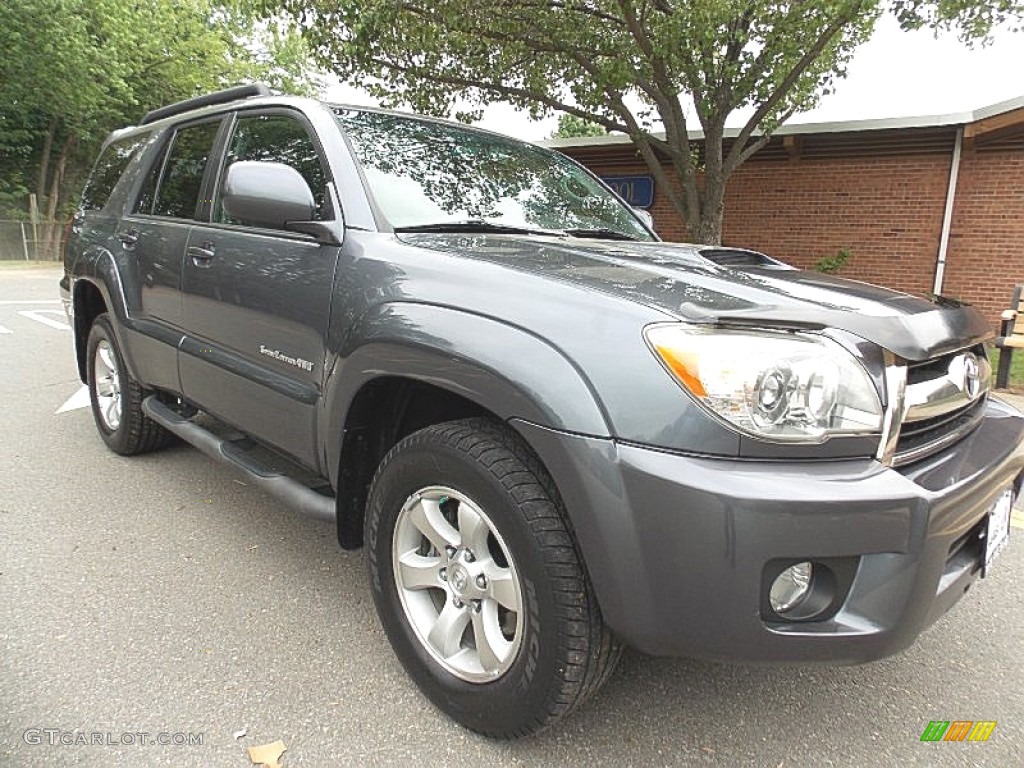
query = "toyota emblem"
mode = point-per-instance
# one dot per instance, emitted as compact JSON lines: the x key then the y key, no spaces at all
{"x":972,"y":375}
{"x":459,"y":578}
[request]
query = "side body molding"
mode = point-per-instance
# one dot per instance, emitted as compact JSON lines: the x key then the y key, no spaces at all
{"x":502,"y":368}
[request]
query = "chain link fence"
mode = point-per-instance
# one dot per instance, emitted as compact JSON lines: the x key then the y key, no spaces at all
{"x":28,"y":241}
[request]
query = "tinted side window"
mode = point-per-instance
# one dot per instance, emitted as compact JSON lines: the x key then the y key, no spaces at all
{"x":278,"y":139}
{"x":178,"y":193}
{"x":108,"y":169}
{"x":148,"y":192}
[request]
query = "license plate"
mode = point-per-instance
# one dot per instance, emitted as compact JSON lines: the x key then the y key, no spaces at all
{"x":998,"y":532}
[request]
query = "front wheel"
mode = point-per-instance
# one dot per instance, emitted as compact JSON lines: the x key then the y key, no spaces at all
{"x":117,"y":398}
{"x":478,"y":581}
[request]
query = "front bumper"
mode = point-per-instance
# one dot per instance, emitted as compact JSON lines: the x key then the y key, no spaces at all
{"x":677,"y":546}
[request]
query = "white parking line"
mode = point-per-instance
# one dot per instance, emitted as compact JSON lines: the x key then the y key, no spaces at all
{"x":39,"y":315}
{"x":5,"y":330}
{"x":78,"y":400}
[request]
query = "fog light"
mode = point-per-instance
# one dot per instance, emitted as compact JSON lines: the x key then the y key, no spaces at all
{"x":790,"y":587}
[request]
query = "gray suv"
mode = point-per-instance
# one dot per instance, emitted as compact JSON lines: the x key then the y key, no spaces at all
{"x":553,"y":433}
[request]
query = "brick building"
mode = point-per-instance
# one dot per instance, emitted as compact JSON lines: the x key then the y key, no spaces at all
{"x":930,"y":204}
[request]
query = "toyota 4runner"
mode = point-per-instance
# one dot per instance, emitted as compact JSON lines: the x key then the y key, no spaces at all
{"x":553,"y":433}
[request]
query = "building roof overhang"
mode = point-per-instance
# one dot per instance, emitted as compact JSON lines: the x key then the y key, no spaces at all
{"x":993,"y":121}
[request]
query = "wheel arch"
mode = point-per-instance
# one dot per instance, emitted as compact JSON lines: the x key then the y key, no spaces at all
{"x":92,"y":295}
{"x":383,"y":411}
{"x":89,"y":302}
{"x":419,"y":365}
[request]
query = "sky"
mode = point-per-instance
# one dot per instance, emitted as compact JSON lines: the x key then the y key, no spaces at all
{"x":894,"y":74}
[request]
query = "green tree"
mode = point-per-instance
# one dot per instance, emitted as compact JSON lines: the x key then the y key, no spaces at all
{"x":571,"y":126}
{"x":73,"y":70}
{"x":626,"y":65}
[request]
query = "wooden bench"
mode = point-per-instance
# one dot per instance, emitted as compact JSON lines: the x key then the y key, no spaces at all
{"x":1011,"y":335}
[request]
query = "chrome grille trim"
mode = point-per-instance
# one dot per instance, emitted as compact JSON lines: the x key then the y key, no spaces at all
{"x":935,"y":397}
{"x":895,"y":389}
{"x":948,"y":438}
{"x":948,"y":394}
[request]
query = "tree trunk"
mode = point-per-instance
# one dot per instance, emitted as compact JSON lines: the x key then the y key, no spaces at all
{"x":702,"y":203}
{"x":53,"y":229}
{"x":708,"y":228}
{"x":44,"y":160}
{"x":703,"y":220}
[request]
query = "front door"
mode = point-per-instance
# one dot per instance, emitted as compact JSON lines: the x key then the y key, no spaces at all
{"x":256,"y":302}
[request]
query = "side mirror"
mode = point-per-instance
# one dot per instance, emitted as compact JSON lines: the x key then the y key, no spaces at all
{"x":645,"y":217}
{"x":266,"y":194}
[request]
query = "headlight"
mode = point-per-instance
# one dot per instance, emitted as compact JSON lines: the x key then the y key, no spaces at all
{"x":787,"y":386}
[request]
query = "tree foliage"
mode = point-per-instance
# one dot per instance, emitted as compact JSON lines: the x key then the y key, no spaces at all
{"x":626,"y":65}
{"x":73,"y":70}
{"x":571,"y":126}
{"x":973,"y":20}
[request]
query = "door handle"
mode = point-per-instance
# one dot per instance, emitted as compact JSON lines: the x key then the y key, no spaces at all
{"x":202,"y":255}
{"x":129,"y":238}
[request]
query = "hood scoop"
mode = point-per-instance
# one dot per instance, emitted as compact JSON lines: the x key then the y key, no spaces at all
{"x":739,"y":258}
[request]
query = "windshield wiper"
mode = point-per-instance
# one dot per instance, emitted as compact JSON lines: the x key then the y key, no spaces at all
{"x":603,"y":234}
{"x":477,"y":225}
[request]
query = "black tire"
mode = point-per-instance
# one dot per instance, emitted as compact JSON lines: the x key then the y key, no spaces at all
{"x":132,"y":432}
{"x":565,"y":651}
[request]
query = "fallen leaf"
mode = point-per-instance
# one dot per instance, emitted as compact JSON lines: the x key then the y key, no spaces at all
{"x":239,"y":734}
{"x":267,"y":755}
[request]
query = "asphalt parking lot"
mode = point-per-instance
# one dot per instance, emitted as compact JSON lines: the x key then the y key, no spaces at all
{"x":160,"y":595}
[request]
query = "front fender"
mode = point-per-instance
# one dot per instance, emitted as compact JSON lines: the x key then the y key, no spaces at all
{"x":505,"y":369}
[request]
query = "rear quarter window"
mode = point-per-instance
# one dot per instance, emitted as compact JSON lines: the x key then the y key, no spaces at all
{"x":177,"y":194}
{"x":147,"y":195}
{"x":109,"y":167}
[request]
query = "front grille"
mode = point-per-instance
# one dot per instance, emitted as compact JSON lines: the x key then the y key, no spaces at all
{"x":938,"y":412}
{"x":922,"y":438}
{"x":929,"y":369}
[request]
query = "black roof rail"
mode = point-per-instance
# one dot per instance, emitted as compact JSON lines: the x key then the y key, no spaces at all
{"x":220,"y":97}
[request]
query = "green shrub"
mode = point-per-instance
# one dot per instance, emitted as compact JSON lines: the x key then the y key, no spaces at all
{"x":830,"y":264}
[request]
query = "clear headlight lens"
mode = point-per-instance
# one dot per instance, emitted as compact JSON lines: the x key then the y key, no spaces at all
{"x":800,"y":387}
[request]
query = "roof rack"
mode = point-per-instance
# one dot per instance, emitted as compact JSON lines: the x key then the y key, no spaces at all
{"x":220,"y":97}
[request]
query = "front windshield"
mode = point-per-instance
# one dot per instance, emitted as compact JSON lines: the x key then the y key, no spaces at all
{"x":429,"y":174}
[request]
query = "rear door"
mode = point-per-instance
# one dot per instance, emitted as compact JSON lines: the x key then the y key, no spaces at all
{"x":155,"y":233}
{"x":256,"y":301}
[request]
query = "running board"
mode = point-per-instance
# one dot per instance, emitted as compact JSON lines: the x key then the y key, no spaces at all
{"x":291,"y":492}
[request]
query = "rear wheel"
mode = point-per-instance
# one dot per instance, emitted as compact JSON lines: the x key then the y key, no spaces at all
{"x":117,"y":397}
{"x":478,"y":581}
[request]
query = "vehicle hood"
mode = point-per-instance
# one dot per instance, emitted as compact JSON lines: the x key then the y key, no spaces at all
{"x":684,"y":285}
